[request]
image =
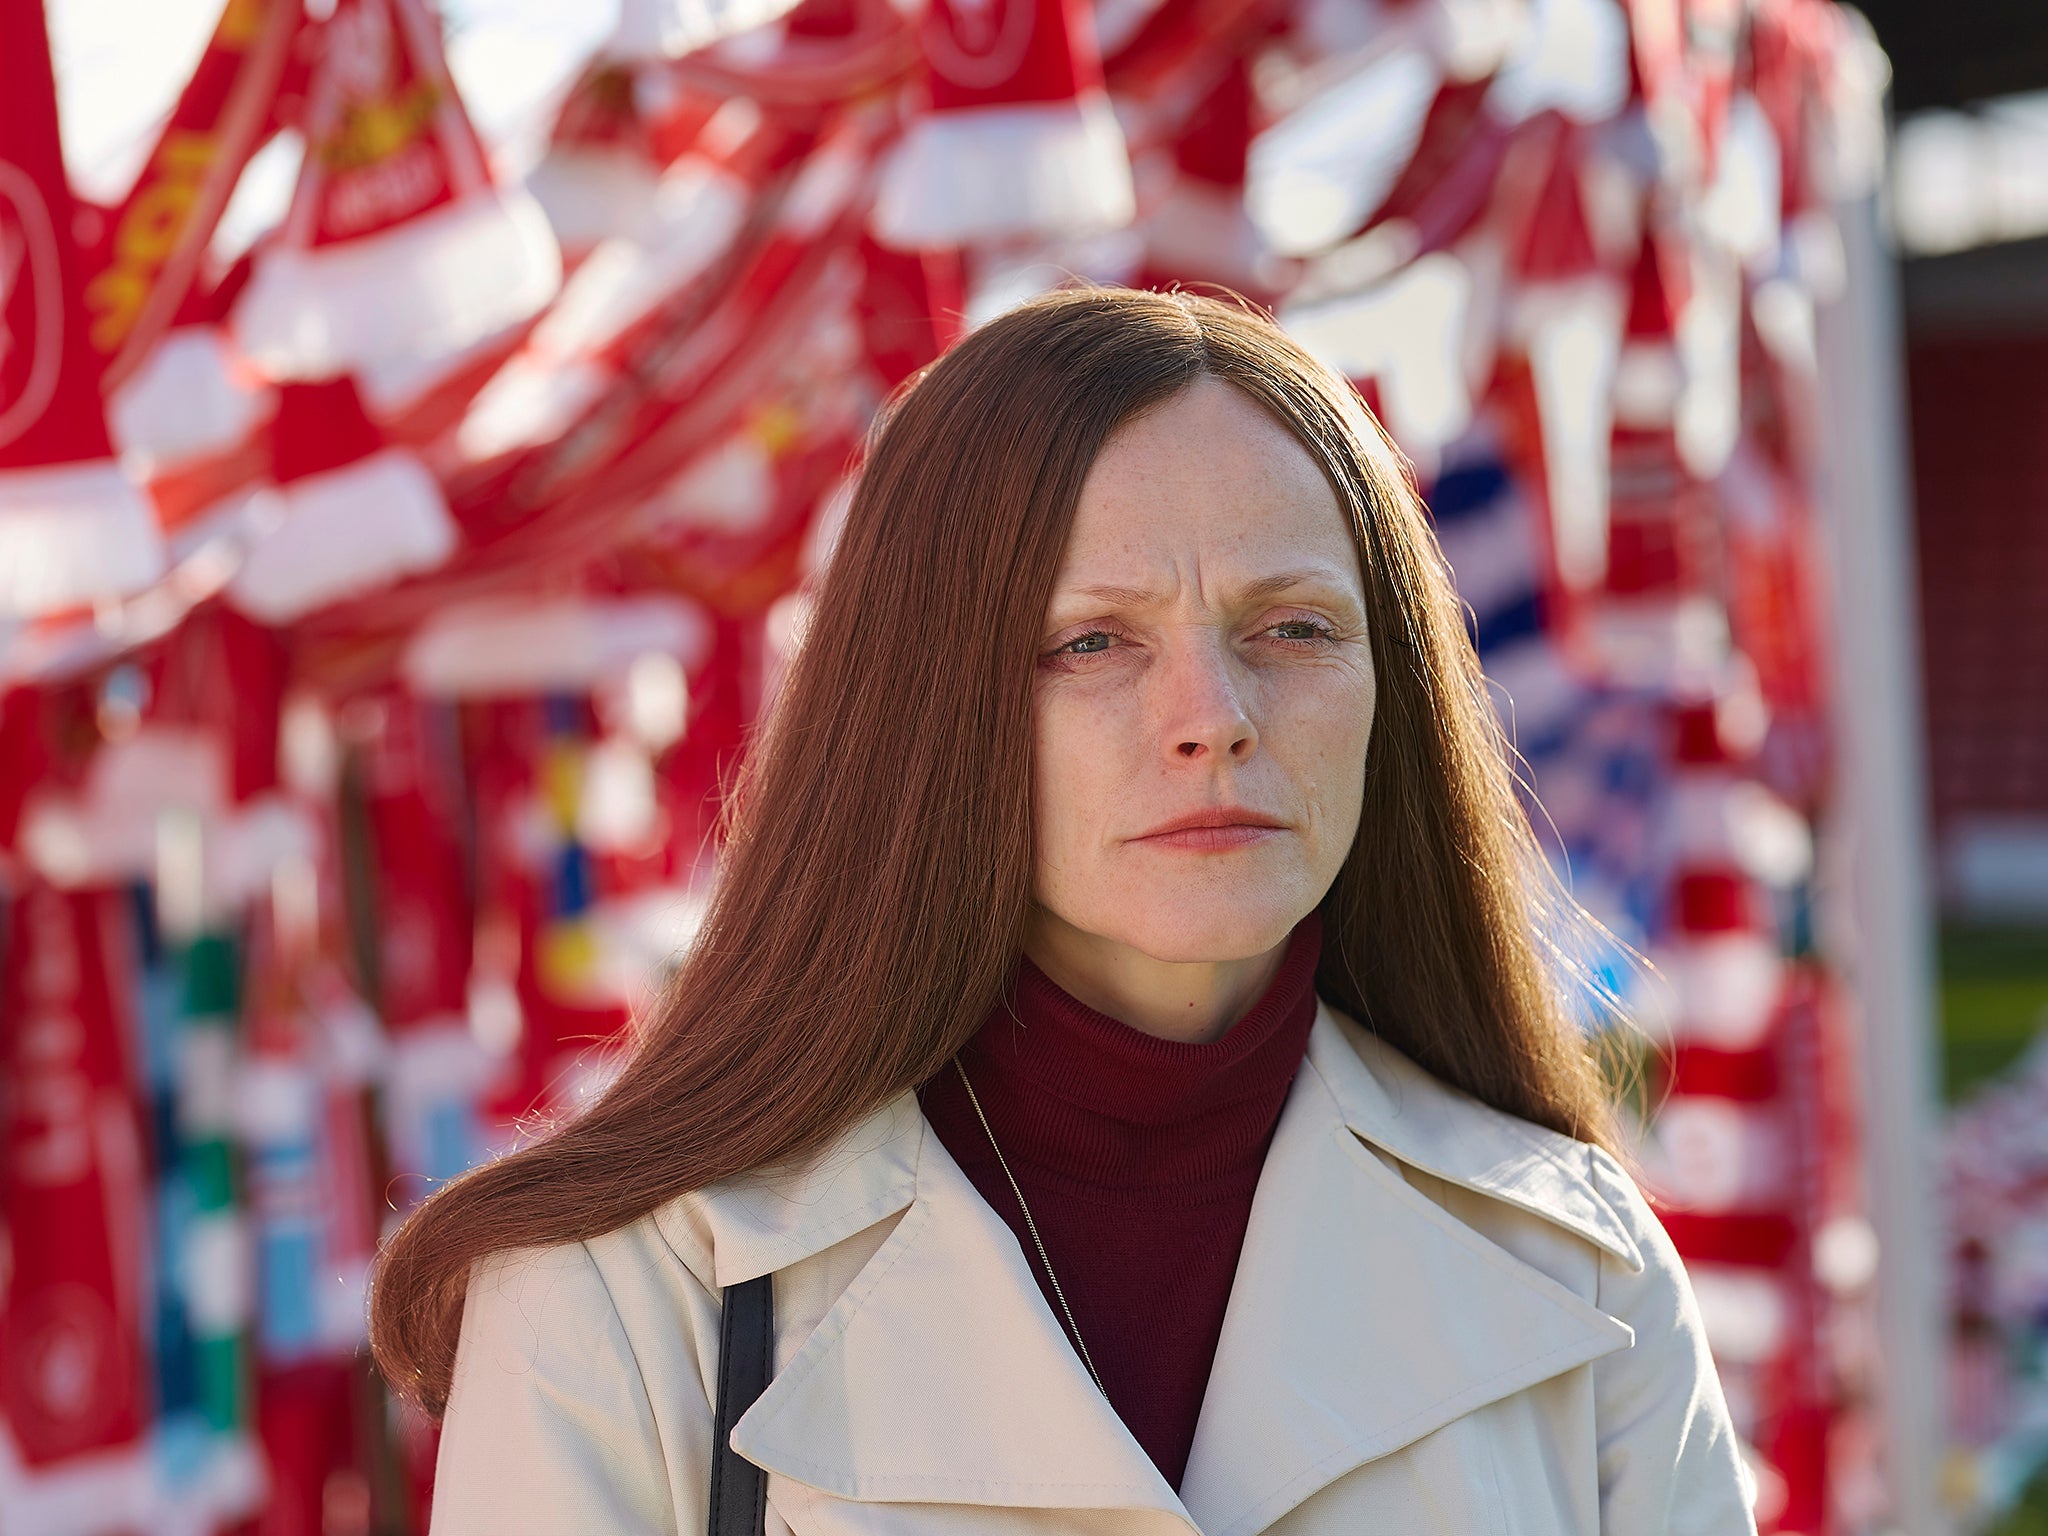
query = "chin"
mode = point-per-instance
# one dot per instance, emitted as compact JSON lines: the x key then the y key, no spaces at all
{"x":1199,"y":933}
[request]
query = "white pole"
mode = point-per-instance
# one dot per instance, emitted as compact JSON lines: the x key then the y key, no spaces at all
{"x":1880,"y":820}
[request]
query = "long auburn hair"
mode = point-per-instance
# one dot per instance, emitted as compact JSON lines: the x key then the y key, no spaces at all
{"x":877,"y":870}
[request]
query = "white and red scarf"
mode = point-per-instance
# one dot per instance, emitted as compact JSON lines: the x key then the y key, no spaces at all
{"x":399,"y":247}
{"x":73,"y":530}
{"x":74,"y":1192}
{"x":152,"y":259}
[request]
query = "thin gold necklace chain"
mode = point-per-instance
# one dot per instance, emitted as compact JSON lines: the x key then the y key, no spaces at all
{"x":1031,"y":1226}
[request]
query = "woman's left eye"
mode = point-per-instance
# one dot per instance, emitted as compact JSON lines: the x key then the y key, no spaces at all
{"x":1299,"y":629}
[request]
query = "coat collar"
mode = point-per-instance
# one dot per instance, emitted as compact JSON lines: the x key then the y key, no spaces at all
{"x":1388,"y":1100}
{"x":744,"y":1227}
{"x":1429,"y":1321}
{"x":940,"y":1377}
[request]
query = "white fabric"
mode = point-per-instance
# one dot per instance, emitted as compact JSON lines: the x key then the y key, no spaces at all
{"x":523,"y":646}
{"x":100,"y":1493}
{"x":657,"y":29}
{"x":190,"y":397}
{"x":1315,"y":176}
{"x":1445,"y":1320}
{"x":1574,"y":343}
{"x":73,"y":534}
{"x":106,"y":832}
{"x":342,"y":533}
{"x":1409,"y":332}
{"x":430,"y":286}
{"x":593,"y":194}
{"x":994,"y":173}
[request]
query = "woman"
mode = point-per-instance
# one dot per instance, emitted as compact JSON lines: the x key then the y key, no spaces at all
{"x":1127,"y":1028}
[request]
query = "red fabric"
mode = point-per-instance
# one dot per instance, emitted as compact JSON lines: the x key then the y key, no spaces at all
{"x":71,"y":1181}
{"x":1558,"y":243}
{"x":150,"y":265}
{"x":1657,"y":292}
{"x":49,"y":374}
{"x":693,"y":775}
{"x":423,"y":917}
{"x":1717,"y":901}
{"x":907,"y":307}
{"x":1455,"y":169}
{"x":1217,"y":137}
{"x":24,"y":754}
{"x":1664,"y":539}
{"x":1700,"y":739}
{"x":388,"y":139}
{"x":311,"y":1423}
{"x":320,"y":427}
{"x":1180,"y":40}
{"x":1748,"y":1077}
{"x":227,"y":675}
{"x":1006,"y":53}
{"x":531,"y":906}
{"x":1139,"y":1158}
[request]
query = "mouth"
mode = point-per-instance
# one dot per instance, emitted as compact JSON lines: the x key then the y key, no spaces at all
{"x":1217,"y":830}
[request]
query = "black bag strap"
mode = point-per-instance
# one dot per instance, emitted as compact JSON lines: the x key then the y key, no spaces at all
{"x":746,"y":1355}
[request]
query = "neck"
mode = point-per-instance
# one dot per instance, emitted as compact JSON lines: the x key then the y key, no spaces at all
{"x":1190,"y":1001}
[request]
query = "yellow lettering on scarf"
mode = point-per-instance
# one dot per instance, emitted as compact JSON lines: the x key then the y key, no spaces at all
{"x":149,"y":231}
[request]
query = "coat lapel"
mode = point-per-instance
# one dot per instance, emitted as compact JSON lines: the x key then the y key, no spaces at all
{"x":940,"y":1377}
{"x":748,"y":1226}
{"x":1364,"y":1316}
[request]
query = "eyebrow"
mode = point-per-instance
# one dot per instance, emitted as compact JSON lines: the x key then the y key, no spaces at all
{"x":1250,"y":592}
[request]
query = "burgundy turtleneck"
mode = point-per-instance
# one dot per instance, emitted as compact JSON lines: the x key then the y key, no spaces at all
{"x":1139,"y":1157}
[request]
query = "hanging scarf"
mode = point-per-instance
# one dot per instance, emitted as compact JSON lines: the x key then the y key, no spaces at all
{"x":157,"y":239}
{"x":1018,"y":138}
{"x":73,"y":1188}
{"x":398,"y":244}
{"x":346,"y":512}
{"x":422,"y":954}
{"x":72,"y":528}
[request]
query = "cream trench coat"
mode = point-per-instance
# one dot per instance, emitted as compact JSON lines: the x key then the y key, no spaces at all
{"x":1444,"y":1320}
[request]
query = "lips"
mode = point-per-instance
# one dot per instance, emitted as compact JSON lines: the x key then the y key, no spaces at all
{"x":1214,"y":830}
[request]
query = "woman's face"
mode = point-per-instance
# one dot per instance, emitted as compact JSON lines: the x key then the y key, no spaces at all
{"x":1204,"y":689}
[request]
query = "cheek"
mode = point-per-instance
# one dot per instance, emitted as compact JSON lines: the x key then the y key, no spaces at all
{"x":1325,"y":722}
{"x":1070,"y":772}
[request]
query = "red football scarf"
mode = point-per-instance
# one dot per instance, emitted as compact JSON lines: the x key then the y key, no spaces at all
{"x":72,"y":529}
{"x":72,"y":1413}
{"x":349,"y":513}
{"x":660,"y":388}
{"x":398,"y":245}
{"x":599,"y":175}
{"x":423,"y":952}
{"x":158,"y":238}
{"x":1019,"y":139}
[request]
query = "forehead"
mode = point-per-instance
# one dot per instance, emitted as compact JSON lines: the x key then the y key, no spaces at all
{"x":1207,"y":474}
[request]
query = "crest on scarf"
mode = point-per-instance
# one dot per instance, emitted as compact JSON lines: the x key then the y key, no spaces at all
{"x":31,"y":304}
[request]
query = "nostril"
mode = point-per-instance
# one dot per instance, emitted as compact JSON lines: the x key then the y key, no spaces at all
{"x":1190,"y":748}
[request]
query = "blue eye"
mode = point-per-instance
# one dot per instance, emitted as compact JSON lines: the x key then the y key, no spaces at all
{"x":1087,"y":645}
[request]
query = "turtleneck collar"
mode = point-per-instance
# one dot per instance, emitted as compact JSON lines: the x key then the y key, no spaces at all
{"x":1086,"y":1099}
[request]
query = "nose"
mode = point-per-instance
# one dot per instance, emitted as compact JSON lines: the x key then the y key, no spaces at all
{"x":1203,"y":706}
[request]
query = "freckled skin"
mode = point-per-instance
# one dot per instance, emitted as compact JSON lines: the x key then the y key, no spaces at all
{"x":1205,"y":647}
